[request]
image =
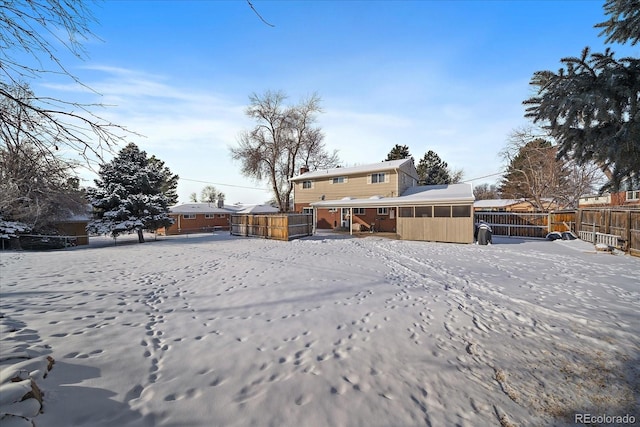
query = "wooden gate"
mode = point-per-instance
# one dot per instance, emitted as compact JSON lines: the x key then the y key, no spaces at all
{"x":517,"y":224}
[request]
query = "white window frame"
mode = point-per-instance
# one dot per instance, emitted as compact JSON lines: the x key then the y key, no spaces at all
{"x":359,"y":211}
{"x":308,"y":211}
{"x":209,"y":216}
{"x":339,"y":180}
{"x":382,"y":211}
{"x":188,"y":216}
{"x":377,"y":176}
{"x":633,"y":195}
{"x":307,"y":185}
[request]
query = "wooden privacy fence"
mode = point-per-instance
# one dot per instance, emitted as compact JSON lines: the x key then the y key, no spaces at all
{"x":516,"y":224}
{"x":619,"y":228}
{"x":275,"y":226}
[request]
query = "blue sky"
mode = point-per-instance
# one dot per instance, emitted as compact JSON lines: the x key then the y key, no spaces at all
{"x":447,"y":76}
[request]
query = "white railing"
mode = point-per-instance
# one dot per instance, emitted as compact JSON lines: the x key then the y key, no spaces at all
{"x":596,"y":238}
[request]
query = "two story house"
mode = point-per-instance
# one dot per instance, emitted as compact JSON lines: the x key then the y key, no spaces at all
{"x":385,"y":197}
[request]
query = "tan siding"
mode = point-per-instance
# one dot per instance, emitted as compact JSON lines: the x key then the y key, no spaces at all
{"x":454,"y":230}
{"x":407,"y":177}
{"x":356,"y":186}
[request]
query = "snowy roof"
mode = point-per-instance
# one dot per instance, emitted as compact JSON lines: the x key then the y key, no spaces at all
{"x":198,"y":208}
{"x":212,"y":208}
{"x":254,"y":209}
{"x":418,"y":195}
{"x":496,"y":203}
{"x":354,"y":170}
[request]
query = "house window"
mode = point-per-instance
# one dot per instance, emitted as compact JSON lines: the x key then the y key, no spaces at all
{"x":188,"y":216}
{"x":383,"y":211}
{"x":461,"y":211}
{"x":308,"y":211}
{"x":406,"y":212}
{"x":221,"y":215}
{"x":358,"y":211}
{"x":339,"y":180}
{"x":633,"y":195}
{"x":377,"y":177}
{"x":424,"y":211}
{"x":209,"y":216}
{"x":442,"y":211}
{"x":307,"y":184}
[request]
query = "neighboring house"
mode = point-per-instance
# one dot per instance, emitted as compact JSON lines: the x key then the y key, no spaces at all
{"x":75,"y":226}
{"x":629,"y":198}
{"x":511,"y":205}
{"x":206,"y":217}
{"x":384,"y":197}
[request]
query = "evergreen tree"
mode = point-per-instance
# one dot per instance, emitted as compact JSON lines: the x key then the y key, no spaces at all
{"x":432,"y":170}
{"x":624,"y":22}
{"x":399,"y":152}
{"x":129,"y":196}
{"x":591,"y":105}
{"x":169,"y":181}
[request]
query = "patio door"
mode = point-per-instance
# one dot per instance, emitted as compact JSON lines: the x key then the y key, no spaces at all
{"x":344,"y":216}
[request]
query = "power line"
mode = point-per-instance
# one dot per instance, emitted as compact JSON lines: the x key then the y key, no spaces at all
{"x":224,"y":185}
{"x":486,"y":176}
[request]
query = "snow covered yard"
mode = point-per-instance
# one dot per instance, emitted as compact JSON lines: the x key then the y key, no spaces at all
{"x":216,"y":330}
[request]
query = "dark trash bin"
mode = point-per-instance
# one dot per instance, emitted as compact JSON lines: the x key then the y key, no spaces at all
{"x":484,"y":233}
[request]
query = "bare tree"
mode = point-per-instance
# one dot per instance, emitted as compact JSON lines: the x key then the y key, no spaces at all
{"x":208,"y":194}
{"x":533,"y":171}
{"x":486,"y":192}
{"x":36,"y":188}
{"x":31,"y":32}
{"x":283,"y":140}
{"x":580,"y":180}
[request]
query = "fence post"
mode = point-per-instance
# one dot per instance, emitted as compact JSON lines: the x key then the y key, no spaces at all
{"x":628,"y":245}
{"x":594,"y":233}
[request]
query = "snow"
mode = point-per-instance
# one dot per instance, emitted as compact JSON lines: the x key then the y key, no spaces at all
{"x":330,"y":330}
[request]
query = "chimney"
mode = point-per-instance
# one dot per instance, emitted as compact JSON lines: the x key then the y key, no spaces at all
{"x":304,"y":169}
{"x":220,"y":203}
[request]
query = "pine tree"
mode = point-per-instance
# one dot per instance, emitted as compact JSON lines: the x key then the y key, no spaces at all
{"x":432,"y":170}
{"x":169,"y":181}
{"x":624,"y":22}
{"x":129,"y":196}
{"x":591,"y":105}
{"x":399,"y":152}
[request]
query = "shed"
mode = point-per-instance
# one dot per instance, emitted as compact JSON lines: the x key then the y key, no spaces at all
{"x":440,"y":213}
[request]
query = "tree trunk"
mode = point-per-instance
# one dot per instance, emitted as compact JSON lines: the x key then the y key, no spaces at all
{"x":140,"y":236}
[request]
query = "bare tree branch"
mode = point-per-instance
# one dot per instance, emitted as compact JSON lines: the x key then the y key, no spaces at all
{"x":259,"y":16}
